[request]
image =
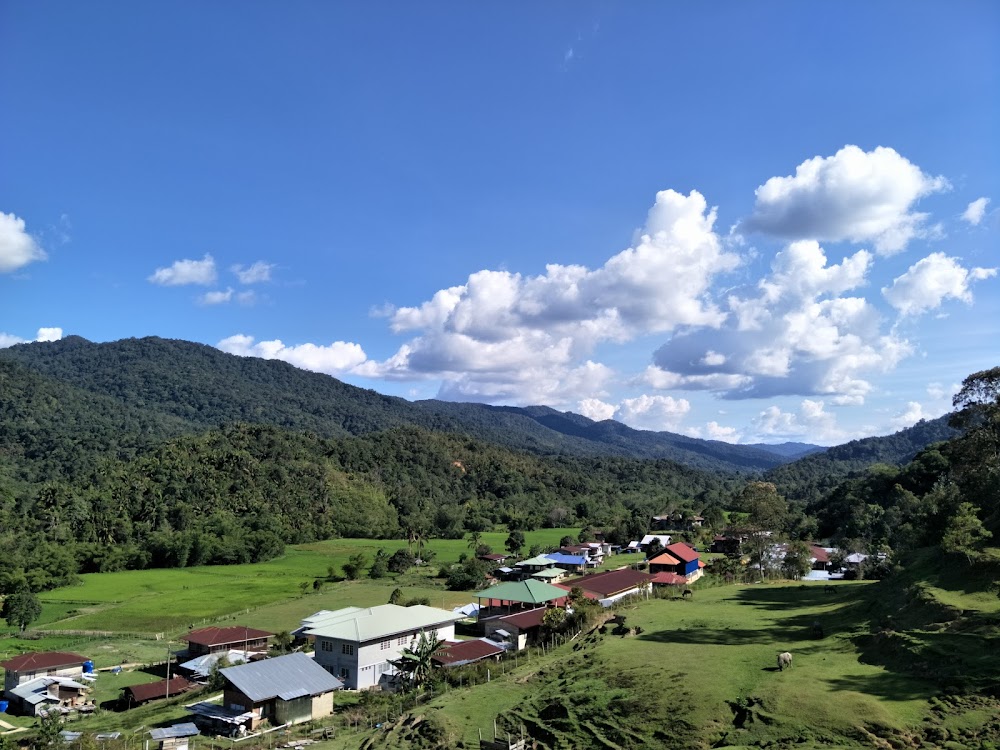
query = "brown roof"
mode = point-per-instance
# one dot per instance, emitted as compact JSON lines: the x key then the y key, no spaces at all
{"x":494,"y":557}
{"x":466,"y":652}
{"x":819,"y":554}
{"x":668,"y":579}
{"x":612,"y":582}
{"x":222,"y":636}
{"x":681,"y":550}
{"x":159,"y":689}
{"x":44,"y":660}
{"x":664,"y":559}
{"x":532,"y":618}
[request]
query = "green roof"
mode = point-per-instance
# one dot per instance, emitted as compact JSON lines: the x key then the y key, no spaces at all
{"x":535,"y":561}
{"x":549,"y":573}
{"x":527,"y":592}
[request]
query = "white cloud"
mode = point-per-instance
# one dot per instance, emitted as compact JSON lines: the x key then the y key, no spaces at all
{"x":334,"y":359}
{"x":811,"y":423}
{"x":43,"y":334}
{"x":913,"y":413}
{"x":247,"y":297}
{"x":853,"y":195}
{"x":932,"y":280}
{"x":505,"y":336}
{"x":186,"y":272}
{"x":653,"y":412}
{"x":792,"y":335}
{"x":217,"y":297}
{"x":17,"y":247}
{"x":255,"y":274}
{"x":975,"y":211}
{"x":716,"y":431}
{"x":594,"y":408}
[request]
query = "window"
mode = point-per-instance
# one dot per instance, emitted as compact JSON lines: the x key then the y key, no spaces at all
{"x":345,"y":673}
{"x":384,"y":645}
{"x":325,"y":646}
{"x":401,"y":641}
{"x":347,"y":648}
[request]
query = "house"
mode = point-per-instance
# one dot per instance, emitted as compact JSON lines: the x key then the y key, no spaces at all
{"x":664,"y":563}
{"x":201,"y":667}
{"x":669,"y":579}
{"x":285,"y":690}
{"x":664,"y":540}
{"x":359,"y":644}
{"x":175,"y":737}
{"x":461,"y":653}
{"x":550,"y":575}
{"x":506,"y":598}
{"x":136,"y":695}
{"x":494,"y":558}
{"x":33,"y":697}
{"x":592,"y":551}
{"x":570,"y":563}
{"x":609,"y":587}
{"x":533,"y":565}
{"x":820,"y":557}
{"x":689,"y":566}
{"x":28,"y":667}
{"x":725,"y":545}
{"x":235,"y":638}
{"x":518,"y":629}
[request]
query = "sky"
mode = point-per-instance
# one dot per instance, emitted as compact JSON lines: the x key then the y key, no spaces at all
{"x":750,"y":222}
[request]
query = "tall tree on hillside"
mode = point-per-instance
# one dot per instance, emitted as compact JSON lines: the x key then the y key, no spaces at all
{"x":475,"y":539}
{"x":20,"y":609}
{"x":515,"y":542}
{"x":965,"y":533}
{"x":766,"y":511}
{"x":976,"y":455}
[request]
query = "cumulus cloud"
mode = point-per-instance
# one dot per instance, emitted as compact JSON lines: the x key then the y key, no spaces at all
{"x":594,"y":408}
{"x":43,"y":334}
{"x":793,"y":334}
{"x":932,"y":280}
{"x":506,"y":336}
{"x":186,"y":271}
{"x":853,"y":195}
{"x":17,"y":247}
{"x":716,"y":431}
{"x":653,"y":412}
{"x":334,"y":359}
{"x":912,"y":414}
{"x":255,"y":274}
{"x":975,"y":211}
{"x":811,"y":423}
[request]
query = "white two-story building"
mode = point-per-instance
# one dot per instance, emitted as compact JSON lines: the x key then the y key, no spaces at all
{"x":356,"y":644}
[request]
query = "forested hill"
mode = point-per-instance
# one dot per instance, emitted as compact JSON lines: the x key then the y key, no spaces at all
{"x":810,"y":478}
{"x":175,"y":382}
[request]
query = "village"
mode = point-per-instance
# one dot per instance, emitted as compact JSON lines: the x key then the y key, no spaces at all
{"x":240,"y":682}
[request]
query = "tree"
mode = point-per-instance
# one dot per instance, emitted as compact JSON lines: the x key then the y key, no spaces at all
{"x":654,"y":548}
{"x":48,"y":736}
{"x":283,"y":641}
{"x":554,"y":620}
{"x":415,"y":663}
{"x":380,"y":565}
{"x":396,"y":596}
{"x":20,"y":609}
{"x":354,"y":565}
{"x":797,"y":561}
{"x":401,"y":561}
{"x":965,"y":533}
{"x":475,"y":539}
{"x":566,"y":541}
{"x":515,"y":542}
{"x":766,"y":511}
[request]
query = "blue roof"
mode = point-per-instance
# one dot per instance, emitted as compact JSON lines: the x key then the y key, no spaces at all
{"x":177,"y":730}
{"x":560,"y":558}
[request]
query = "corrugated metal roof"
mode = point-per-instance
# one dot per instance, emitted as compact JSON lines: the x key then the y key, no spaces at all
{"x":272,"y":678}
{"x":45,"y":660}
{"x":186,"y":729}
{"x":527,"y":592}
{"x":373,"y":623}
{"x":235,"y":634}
{"x":560,"y":559}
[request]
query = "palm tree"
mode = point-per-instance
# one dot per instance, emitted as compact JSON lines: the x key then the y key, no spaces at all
{"x":475,"y":539}
{"x":415,"y":662}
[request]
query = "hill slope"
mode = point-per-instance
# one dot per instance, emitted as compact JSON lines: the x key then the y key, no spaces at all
{"x":205,"y":387}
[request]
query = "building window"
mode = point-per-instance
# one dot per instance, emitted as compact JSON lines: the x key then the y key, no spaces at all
{"x":401,"y":641}
{"x":384,"y":645}
{"x":325,"y":646}
{"x":347,"y":648}
{"x":345,"y":673}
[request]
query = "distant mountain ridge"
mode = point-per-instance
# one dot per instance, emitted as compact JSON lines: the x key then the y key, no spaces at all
{"x":200,"y":386}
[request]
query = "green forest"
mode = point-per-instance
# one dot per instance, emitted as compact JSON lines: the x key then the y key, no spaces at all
{"x":151,"y":453}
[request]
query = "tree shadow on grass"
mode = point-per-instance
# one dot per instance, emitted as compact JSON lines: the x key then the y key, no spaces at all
{"x":893,"y":686}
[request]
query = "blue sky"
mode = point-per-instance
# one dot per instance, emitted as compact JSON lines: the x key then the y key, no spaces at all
{"x":742,"y":221}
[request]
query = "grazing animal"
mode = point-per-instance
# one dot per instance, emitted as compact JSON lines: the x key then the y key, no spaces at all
{"x":688,"y":593}
{"x":828,"y":589}
{"x":784,"y":660}
{"x":817,"y":629}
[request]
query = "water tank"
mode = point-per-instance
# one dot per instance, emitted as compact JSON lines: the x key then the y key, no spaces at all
{"x":88,"y":666}
{"x":3,"y":707}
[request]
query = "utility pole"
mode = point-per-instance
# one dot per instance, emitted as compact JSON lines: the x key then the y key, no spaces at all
{"x":168,"y":669}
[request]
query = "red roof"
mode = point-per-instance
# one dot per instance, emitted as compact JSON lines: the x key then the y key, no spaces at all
{"x":681,"y":550}
{"x":669,"y":579}
{"x":531,"y":618}
{"x":612,"y":582}
{"x":494,"y":557}
{"x":466,"y":652}
{"x":819,"y":554}
{"x":664,"y":559}
{"x":159,"y":689}
{"x":44,"y":660}
{"x":223,"y":636}
{"x":701,"y":563}
{"x":587,"y":594}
